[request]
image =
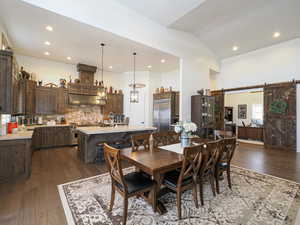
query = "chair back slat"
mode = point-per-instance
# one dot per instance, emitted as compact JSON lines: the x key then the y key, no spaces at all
{"x":211,"y":155}
{"x":140,"y":141}
{"x":113,"y":163}
{"x":159,"y":139}
{"x":191,"y":163}
{"x":172,"y":137}
{"x":229,"y":149}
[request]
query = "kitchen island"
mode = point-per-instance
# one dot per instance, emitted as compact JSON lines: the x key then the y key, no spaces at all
{"x":89,"y":138}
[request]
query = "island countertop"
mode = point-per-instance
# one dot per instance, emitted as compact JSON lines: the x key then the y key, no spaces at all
{"x":108,"y":130}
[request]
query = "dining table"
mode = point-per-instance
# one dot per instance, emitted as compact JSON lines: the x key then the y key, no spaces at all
{"x":155,"y":163}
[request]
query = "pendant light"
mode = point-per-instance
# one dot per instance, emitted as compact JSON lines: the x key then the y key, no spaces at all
{"x":134,"y":94}
{"x":102,"y":95}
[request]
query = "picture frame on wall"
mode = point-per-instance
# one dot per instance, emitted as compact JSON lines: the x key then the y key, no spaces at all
{"x":242,"y":111}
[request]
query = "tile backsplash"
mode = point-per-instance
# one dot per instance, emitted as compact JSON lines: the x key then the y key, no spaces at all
{"x":84,"y":114}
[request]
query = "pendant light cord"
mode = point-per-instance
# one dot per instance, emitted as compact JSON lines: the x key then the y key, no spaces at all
{"x":102,"y":50}
{"x":134,"y":54}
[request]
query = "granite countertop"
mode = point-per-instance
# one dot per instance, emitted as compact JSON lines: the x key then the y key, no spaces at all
{"x":31,"y":127}
{"x":107,"y":130}
{"x":18,"y":136}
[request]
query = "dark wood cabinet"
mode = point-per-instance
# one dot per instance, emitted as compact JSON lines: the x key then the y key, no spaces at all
{"x":7,"y":82}
{"x":47,"y":137}
{"x":62,"y":100}
{"x":46,"y":100}
{"x":15,"y":159}
{"x":203,"y":114}
{"x":26,"y":100}
{"x":114,"y":104}
{"x":251,"y":133}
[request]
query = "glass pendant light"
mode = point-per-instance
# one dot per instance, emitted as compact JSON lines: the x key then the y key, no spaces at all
{"x":102,"y":95}
{"x":134,"y":94}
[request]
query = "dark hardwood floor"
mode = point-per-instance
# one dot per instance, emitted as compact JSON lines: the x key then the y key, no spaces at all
{"x":36,"y":200}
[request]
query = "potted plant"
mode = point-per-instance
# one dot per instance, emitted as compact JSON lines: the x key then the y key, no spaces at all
{"x":185,"y":129}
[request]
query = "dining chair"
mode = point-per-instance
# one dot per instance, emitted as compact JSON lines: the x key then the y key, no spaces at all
{"x":172,"y":137}
{"x":129,"y":185}
{"x":140,"y":142}
{"x":159,"y":139}
{"x":186,"y":178}
{"x":207,"y":169}
{"x":224,"y":160}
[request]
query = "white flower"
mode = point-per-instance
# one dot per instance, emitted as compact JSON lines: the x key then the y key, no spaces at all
{"x":178,"y":129}
{"x":189,"y":127}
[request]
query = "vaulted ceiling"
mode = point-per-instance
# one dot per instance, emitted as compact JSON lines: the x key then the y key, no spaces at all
{"x":249,"y":25}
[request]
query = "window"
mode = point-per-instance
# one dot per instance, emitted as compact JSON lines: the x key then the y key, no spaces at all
{"x":257,"y":112}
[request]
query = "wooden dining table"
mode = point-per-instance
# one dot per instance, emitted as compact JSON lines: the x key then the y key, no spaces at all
{"x":155,"y":163}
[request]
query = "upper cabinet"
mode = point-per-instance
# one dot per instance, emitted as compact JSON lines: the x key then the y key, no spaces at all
{"x":114,"y":104}
{"x":46,"y":100}
{"x":8,"y":84}
{"x":26,"y":97}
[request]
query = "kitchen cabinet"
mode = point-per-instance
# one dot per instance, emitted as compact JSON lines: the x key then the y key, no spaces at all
{"x":26,"y":100}
{"x":15,"y":159}
{"x":46,"y":100}
{"x":114,"y":104}
{"x":47,"y":137}
{"x":62,"y":100}
{"x":7,"y":83}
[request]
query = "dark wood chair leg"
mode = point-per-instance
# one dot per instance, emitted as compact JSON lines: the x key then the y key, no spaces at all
{"x":217,"y":177}
{"x":112,"y":198}
{"x":154,"y":199}
{"x":228,"y":177}
{"x":195,"y":195}
{"x":179,"y":204}
{"x":201,"y":192}
{"x":212,"y":183}
{"x":125,"y":210}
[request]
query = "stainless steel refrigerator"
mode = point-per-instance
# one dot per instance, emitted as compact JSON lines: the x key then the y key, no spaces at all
{"x":165,"y":110}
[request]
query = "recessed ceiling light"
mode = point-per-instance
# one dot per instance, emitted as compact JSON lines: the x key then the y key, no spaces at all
{"x":47,"y":43}
{"x":49,"y":28}
{"x":276,"y":34}
{"x":235,"y":48}
{"x":110,"y":67}
{"x":149,"y":66}
{"x":69,"y":58}
{"x":47,"y":53}
{"x":163,"y":61}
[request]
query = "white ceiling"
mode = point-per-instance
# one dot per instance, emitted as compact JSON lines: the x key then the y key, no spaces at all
{"x":26,"y":28}
{"x":221,"y":24}
{"x":164,"y":12}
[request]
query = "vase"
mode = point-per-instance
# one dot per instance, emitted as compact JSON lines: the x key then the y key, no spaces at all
{"x":185,"y":140}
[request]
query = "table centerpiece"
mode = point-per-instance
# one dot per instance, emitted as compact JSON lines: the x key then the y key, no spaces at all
{"x":185,"y":129}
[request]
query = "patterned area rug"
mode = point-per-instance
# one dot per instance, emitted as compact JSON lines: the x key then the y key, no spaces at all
{"x":254,"y":199}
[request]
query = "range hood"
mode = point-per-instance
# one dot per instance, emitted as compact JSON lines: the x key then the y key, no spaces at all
{"x":77,"y":99}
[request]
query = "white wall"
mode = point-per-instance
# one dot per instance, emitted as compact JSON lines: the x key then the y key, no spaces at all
{"x":273,"y":64}
{"x":234,"y":99}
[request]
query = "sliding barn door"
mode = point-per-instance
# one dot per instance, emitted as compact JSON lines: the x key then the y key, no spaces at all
{"x":280,"y":116}
{"x":219,"y":109}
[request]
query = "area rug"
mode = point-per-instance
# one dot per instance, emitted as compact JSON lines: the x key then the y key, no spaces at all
{"x":254,"y":199}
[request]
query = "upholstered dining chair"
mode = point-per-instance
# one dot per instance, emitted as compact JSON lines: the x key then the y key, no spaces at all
{"x":186,"y":178}
{"x":224,"y":160}
{"x":140,"y":142}
{"x":129,"y":185}
{"x":207,"y":170}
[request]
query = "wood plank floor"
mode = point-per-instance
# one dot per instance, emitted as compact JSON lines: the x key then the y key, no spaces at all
{"x":36,"y":200}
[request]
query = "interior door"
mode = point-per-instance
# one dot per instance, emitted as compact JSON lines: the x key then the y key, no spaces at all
{"x":280,"y":116}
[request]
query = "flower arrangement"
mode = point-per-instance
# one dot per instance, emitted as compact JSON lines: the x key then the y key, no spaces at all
{"x":185,"y":128}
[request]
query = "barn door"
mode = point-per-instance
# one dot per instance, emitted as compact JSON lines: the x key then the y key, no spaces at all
{"x":219,"y":109}
{"x":280,"y":116}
